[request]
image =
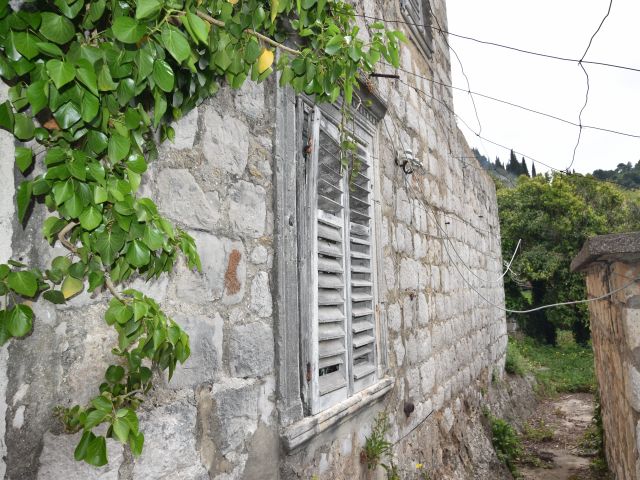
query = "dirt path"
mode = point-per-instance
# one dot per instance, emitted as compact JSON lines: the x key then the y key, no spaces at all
{"x":554,"y":440}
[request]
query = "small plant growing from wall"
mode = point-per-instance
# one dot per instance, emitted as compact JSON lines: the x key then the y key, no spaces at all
{"x":506,"y":441}
{"x":376,"y":445}
{"x":93,"y":85}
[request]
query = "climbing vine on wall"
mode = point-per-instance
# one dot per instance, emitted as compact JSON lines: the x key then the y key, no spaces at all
{"x":93,"y":86}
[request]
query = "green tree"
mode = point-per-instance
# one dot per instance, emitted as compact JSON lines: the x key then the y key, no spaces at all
{"x":533,"y":169}
{"x":523,"y":168}
{"x":554,"y":216}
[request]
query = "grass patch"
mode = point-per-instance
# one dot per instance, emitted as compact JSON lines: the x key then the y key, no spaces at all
{"x":537,"y":431}
{"x":565,"y":368}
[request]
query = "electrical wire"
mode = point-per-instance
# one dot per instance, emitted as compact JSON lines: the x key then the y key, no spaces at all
{"x":499,"y":45}
{"x":429,"y":210}
{"x":515,"y":105}
{"x":508,"y":310}
{"x":586,"y":74}
{"x":446,"y":41}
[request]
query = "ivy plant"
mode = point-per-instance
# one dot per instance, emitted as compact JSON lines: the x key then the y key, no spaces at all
{"x":94,"y":84}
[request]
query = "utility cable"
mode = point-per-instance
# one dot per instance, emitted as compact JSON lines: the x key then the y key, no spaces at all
{"x":499,"y":45}
{"x":586,"y":74}
{"x":515,"y":105}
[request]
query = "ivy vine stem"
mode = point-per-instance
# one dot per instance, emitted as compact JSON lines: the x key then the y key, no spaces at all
{"x":62,"y":237}
{"x":264,"y":38}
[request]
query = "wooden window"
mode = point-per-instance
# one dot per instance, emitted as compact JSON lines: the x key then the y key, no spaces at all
{"x":417,"y":13}
{"x":338,"y":274}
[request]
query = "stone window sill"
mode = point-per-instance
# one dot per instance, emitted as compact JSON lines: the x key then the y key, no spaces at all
{"x":301,"y":432}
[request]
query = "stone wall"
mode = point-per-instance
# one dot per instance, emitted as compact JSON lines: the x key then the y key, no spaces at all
{"x":612,"y":263}
{"x":221,"y":415}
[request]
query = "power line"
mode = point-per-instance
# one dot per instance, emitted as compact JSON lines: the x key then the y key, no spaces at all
{"x":499,"y":307}
{"x":473,"y":102}
{"x":586,"y":96}
{"x":515,"y":105}
{"x":499,"y":45}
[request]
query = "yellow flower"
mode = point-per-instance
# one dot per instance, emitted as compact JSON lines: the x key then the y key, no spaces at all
{"x":419,"y":466}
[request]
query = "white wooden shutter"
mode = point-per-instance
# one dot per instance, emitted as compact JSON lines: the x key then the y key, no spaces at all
{"x":342,"y":337}
{"x":333,"y":358}
{"x":362,"y":295}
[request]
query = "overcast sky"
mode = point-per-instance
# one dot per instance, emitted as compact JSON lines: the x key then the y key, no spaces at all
{"x":561,"y":28}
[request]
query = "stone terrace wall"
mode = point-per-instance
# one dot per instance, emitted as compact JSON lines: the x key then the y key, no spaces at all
{"x":611,"y":262}
{"x":218,"y":417}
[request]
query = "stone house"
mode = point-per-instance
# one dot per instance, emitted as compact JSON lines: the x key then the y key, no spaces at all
{"x":322,"y":302}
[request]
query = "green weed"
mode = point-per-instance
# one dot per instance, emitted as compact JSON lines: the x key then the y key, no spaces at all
{"x":537,"y":431}
{"x":566,"y":368}
{"x":505,"y":441}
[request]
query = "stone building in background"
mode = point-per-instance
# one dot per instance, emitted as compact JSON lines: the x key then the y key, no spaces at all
{"x":327,"y":295}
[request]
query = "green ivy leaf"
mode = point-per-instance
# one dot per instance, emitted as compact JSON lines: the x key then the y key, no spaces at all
{"x":23,"y":198}
{"x":37,"y":96}
{"x":108,"y":244}
{"x":50,"y":49}
{"x":136,"y":443}
{"x":88,"y":78}
{"x":4,"y":332}
{"x":81,"y":450}
{"x":199,"y":27}
{"x":90,"y":107}
{"x":119,"y":147}
{"x":102,"y":403}
{"x":147,"y":8}
{"x":24,"y":158}
{"x":60,"y":72}
{"x":114,"y":373}
{"x":23,"y":283}
{"x":69,"y":9}
{"x":117,"y":312}
{"x":176,"y":43}
{"x":6,"y":116}
{"x":54,"y":296}
{"x":23,"y":128}
{"x":138,"y":254}
{"x":90,"y":218}
{"x":67,"y":115}
{"x":94,"y":418}
{"x":56,"y":28}
{"x":128,"y":30}
{"x":121,"y":429}
{"x":25,"y":43}
{"x":163,"y":75}
{"x":20,"y":321}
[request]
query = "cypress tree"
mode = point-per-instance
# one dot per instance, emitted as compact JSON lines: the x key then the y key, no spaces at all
{"x":533,"y":169}
{"x":523,"y":168}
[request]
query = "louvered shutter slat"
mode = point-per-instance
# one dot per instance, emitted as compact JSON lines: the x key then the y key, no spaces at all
{"x":361,"y":273}
{"x":333,"y":378}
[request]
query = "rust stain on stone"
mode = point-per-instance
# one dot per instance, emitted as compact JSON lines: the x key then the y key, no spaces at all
{"x":231,"y":282}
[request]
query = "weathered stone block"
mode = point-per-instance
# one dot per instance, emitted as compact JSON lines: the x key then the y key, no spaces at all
{"x":248,"y":209}
{"x":186,"y":129}
{"x":261,"y":303}
{"x":57,"y":462}
{"x":225,"y":143}
{"x":205,"y":338}
{"x":251,"y":350}
{"x":183,"y":200}
{"x":224,"y":266}
{"x":170,"y":449}
{"x":409,"y":272}
{"x":234,"y":413}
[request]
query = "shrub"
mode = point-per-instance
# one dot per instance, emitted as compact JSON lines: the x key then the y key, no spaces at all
{"x":515,"y":363}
